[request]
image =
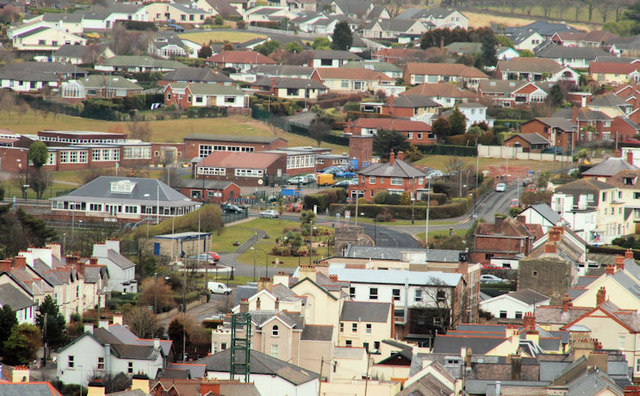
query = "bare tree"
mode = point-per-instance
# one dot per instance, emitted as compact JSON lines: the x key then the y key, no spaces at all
{"x":157,"y":293}
{"x":142,"y":322}
{"x":444,"y":307}
{"x":139,"y":130}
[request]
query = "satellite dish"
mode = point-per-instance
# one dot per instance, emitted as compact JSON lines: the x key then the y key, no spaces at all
{"x":260,"y":181}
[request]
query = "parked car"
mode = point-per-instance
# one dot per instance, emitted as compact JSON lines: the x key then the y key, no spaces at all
{"x":298,"y":180}
{"x":272,"y":213}
{"x":231,"y":208}
{"x":344,"y":184}
{"x":218,"y":288}
{"x":515,"y":203}
{"x":553,"y":150}
{"x":501,"y":187}
{"x":311,"y":178}
{"x":209,"y":257}
{"x":345,"y":173}
{"x":487,"y":278}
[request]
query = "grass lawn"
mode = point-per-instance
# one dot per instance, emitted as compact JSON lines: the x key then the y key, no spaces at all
{"x":243,"y":231}
{"x":441,"y":161}
{"x":220,"y":36}
{"x":288,"y":262}
{"x":477,"y":18}
{"x":440,"y":234}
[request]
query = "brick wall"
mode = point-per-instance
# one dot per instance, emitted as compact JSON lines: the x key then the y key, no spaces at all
{"x":550,"y":276}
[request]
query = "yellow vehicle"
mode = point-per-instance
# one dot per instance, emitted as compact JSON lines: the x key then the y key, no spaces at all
{"x":325,"y":179}
{"x":93,"y":35}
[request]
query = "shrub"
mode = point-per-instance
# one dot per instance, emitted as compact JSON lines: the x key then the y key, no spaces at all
{"x":324,"y":198}
{"x":457,"y":208}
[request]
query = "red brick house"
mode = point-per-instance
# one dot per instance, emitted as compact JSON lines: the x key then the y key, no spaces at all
{"x":400,"y":56}
{"x":530,"y":142}
{"x":585,"y":117}
{"x":408,"y":106}
{"x":202,"y":144}
{"x":558,"y":131}
{"x":508,"y":93}
{"x":209,"y":191}
{"x":242,"y":168}
{"x":506,"y":238}
{"x":417,"y":132}
{"x":185,"y":95}
{"x":361,"y":149}
{"x":421,"y":72}
{"x":624,"y":128}
{"x":395,"y":176}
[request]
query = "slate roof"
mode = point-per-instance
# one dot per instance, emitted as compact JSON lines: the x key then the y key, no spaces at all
{"x":439,"y":90}
{"x":11,"y":296}
{"x":532,"y":138}
{"x":240,"y":57}
{"x":334,"y":54}
{"x":398,"y":277}
{"x":317,"y":333}
{"x":214,"y":89}
{"x":610,"y":167}
{"x":260,"y":364}
{"x":281,"y":70}
{"x":232,"y":138}
{"x":558,"y":122}
{"x":224,"y":8}
{"x":337,"y":73}
{"x":142,"y":61}
{"x":284,"y":82}
{"x":376,"y":66}
{"x":398,"y":169}
{"x":548,"y":314}
{"x":560,"y":52}
{"x":196,"y":74}
{"x":413,"y":101}
{"x":543,"y":27}
{"x":610,"y":100}
{"x":528,"y":296}
{"x":261,"y":317}
{"x":92,"y":273}
{"x":479,"y":345}
{"x":364,"y":311}
{"x":583,"y":185}
{"x":145,"y":192}
{"x":545,"y":211}
{"x":38,"y":71}
{"x":584,"y":114}
{"x":390,"y":253}
{"x":443,"y":69}
{"x":195,"y":370}
{"x":77,"y":51}
{"x":28,"y":389}
{"x":535,"y":65}
{"x":594,"y":383}
{"x":112,"y":82}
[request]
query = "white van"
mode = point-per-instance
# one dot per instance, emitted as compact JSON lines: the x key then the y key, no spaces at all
{"x":218,"y":288}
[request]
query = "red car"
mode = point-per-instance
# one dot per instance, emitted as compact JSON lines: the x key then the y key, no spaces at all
{"x":213,"y":256}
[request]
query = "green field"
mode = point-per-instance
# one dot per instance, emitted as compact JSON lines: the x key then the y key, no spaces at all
{"x":441,"y":161}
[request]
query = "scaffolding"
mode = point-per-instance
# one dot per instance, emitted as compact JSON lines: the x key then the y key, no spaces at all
{"x":240,"y":345}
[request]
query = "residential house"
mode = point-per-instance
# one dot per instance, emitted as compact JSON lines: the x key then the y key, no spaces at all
{"x":566,"y":243}
{"x":573,"y":57}
{"x":98,"y":86}
{"x":286,"y":71}
{"x":586,"y":195}
{"x":324,"y":295}
{"x":331,"y":58}
{"x":82,"y":54}
{"x":514,"y":304}
{"x":400,"y":56}
{"x":474,"y":113}
{"x":591,"y":124}
{"x":291,"y":88}
{"x":101,"y":351}
{"x":624,"y":46}
{"x":269,"y":374}
{"x":627,"y":182}
{"x":122,"y":272}
{"x":190,"y":75}
{"x":416,"y":107}
{"x":36,"y":76}
{"x":186,"y":95}
{"x":506,"y":53}
{"x":402,"y":30}
{"x":240,"y":61}
{"x":395,"y":176}
{"x":173,"y":13}
{"x":543,"y":214}
{"x":349,"y":80}
{"x":610,"y":167}
{"x":228,"y":9}
{"x":20,"y":300}
{"x":529,"y":142}
{"x":612,"y":105}
{"x":209,"y":190}
{"x":365,"y":324}
{"x":418,"y":73}
{"x":504,"y":238}
{"x":615,"y":72}
{"x":243,"y":168}
{"x":389,"y":69}
{"x":558,"y":131}
{"x":44,"y":38}
{"x":264,"y":14}
{"x":201,"y":145}
{"x":509,"y":93}
{"x":68,"y":22}
{"x":417,"y":132}
{"x":137,"y":64}
{"x":447,"y":95}
{"x":526,"y":40}
{"x":122,"y":199}
{"x":439,"y":18}
{"x":536,"y":69}
{"x":357,"y":9}
{"x":595,"y":38}
{"x":105,"y":18}
{"x":170,"y":47}
{"x":545,"y":28}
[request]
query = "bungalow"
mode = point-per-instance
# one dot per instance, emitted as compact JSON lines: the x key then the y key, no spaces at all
{"x":82,"y":54}
{"x":202,"y":75}
{"x":573,"y":57}
{"x":352,"y":80}
{"x":291,"y":88}
{"x":170,"y":47}
{"x":98,"y":86}
{"x":241,"y":61}
{"x":400,"y":56}
{"x":508,"y":93}
{"x":506,"y":53}
{"x":411,"y":106}
{"x":331,"y":58}
{"x":393,"y":29}
{"x":615,"y":72}
{"x":529,"y":142}
{"x":34,"y":76}
{"x":244,"y":169}
{"x":106,"y":18}
{"x":418,"y":73}
{"x":439,"y":18}
{"x":534,"y":69}
{"x":389,"y":69}
{"x":417,"y":132}
{"x":137,"y":64}
{"x":45,"y":39}
{"x":173,"y":12}
{"x":595,"y":38}
{"x":204,"y":95}
{"x":447,"y":95}
{"x":214,"y":191}
{"x":221,"y":7}
{"x":259,"y":14}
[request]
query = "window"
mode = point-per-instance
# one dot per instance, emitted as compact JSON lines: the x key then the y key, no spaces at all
{"x":70,"y":361}
{"x":396,"y":181}
{"x":100,"y":363}
{"x":229,"y":99}
{"x":348,"y":343}
{"x":274,"y":330}
{"x":130,"y":368}
{"x":249,"y":172}
{"x":376,"y":346}
{"x":503,"y":314}
{"x":373,"y":293}
{"x":419,"y":135}
{"x":344,"y":84}
{"x":396,"y":294}
{"x":205,"y":150}
{"x":518,"y":315}
{"x":418,"y":295}
{"x":440,"y":296}
{"x":223,"y":346}
{"x":410,"y":135}
{"x":274,"y":350}
{"x":205,"y":170}
{"x":137,"y":152}
{"x":354,"y":327}
{"x":341,"y":327}
{"x":372,"y":180}
{"x":292,"y":91}
{"x":368,"y":328}
{"x":418,"y":78}
{"x":326,"y":62}
{"x":199,"y":99}
{"x":382,"y":180}
{"x":352,"y":293}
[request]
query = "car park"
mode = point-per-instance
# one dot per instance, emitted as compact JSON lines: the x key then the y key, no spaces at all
{"x":345,"y":173}
{"x":272,"y":213}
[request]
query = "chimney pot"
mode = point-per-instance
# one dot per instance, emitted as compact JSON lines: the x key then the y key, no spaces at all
{"x":619,"y":262}
{"x":567,"y":303}
{"x":601,"y":296}
{"x":610,"y":270}
{"x":628,"y":255}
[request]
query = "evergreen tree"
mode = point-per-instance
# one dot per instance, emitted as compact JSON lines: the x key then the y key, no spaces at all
{"x":342,"y":36}
{"x":22,"y":344}
{"x":458,"y":122}
{"x":54,"y":334}
{"x":7,"y":321}
{"x":441,"y":128}
{"x":386,"y":140}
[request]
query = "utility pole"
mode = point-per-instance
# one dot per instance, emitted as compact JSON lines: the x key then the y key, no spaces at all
{"x":44,"y":336}
{"x":320,"y":377}
{"x":426,"y":226}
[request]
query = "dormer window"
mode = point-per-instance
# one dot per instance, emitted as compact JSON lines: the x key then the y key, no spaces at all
{"x":123,"y":186}
{"x":628,"y":181}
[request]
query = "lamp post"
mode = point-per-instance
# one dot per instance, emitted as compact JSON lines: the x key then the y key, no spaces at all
{"x":413,"y":201}
{"x":255,"y":240}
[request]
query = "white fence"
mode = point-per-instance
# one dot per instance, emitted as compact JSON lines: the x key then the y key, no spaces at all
{"x":517,"y":153}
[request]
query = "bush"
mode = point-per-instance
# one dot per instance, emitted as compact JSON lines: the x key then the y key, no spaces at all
{"x":457,"y":208}
{"x":324,"y":198}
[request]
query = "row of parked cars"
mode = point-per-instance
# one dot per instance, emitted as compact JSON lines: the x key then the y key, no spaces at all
{"x":327,"y":177}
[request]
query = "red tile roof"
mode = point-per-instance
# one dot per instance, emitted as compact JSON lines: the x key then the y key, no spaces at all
{"x":247,"y":57}
{"x":228,"y":159}
{"x":444,"y":69}
{"x":439,"y":89}
{"x":392,"y":124}
{"x":613,"y":67}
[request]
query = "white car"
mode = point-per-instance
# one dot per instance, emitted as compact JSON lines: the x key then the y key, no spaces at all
{"x":270,"y":213}
{"x":501,"y":187}
{"x":487,"y":278}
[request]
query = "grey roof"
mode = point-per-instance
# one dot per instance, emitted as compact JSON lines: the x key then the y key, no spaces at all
{"x":528,"y":296}
{"x":142,"y":61}
{"x":110,"y":82}
{"x":559,"y":122}
{"x":610,"y":167}
{"x":584,"y":281}
{"x":260,"y":364}
{"x":317,"y":333}
{"x":593,"y":383}
{"x":214,"y":89}
{"x":261,"y":317}
{"x":195,"y":370}
{"x":92,"y":274}
{"x":625,"y":281}
{"x":284,"y":82}
{"x":398,"y":277}
{"x":398,"y":169}
{"x":199,"y":74}
{"x":39,"y":71}
{"x":584,"y":114}
{"x":413,"y":101}
{"x":144,"y":192}
{"x":170,"y":373}
{"x":119,"y":349}
{"x":394,"y":25}
{"x":334,"y":54}
{"x":77,"y":51}
{"x":560,"y":52}
{"x":364,"y":311}
{"x":533,"y":138}
{"x":545,"y":211}
{"x":433,"y":12}
{"x":610,"y":100}
{"x":545,"y":28}
{"x":281,"y":70}
{"x":27,"y":389}
{"x":390,"y":253}
{"x":11,"y":296}
{"x":452,"y":344}
{"x":232,"y":138}
{"x":377,"y":66}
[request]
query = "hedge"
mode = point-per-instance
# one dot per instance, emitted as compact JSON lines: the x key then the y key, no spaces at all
{"x":458,"y":208}
{"x":324,"y":198}
{"x":448,"y":149}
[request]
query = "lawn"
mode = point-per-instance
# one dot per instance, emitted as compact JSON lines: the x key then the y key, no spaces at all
{"x":521,"y":16}
{"x":220,"y":36}
{"x":440,"y":234}
{"x":441,"y":161}
{"x":243,"y":231}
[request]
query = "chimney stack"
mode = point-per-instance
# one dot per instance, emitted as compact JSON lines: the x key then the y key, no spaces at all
{"x":617,"y":154}
{"x":610,"y":270}
{"x":244,"y":305}
{"x":550,"y":247}
{"x":566,"y":303}
{"x":20,"y":262}
{"x":619,"y":262}
{"x":392,"y":158}
{"x":401,"y":155}
{"x":96,"y":388}
{"x":630,"y":157}
{"x":529,"y":321}
{"x":574,"y":114}
{"x":601,"y":296}
{"x":555,"y":233}
{"x":628,"y":255}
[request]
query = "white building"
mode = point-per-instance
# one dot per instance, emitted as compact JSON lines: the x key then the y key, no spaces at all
{"x":475,"y":113}
{"x":21,"y":302}
{"x":122,"y":271}
{"x":582,"y":220}
{"x":515,"y":304}
{"x":541,"y":214}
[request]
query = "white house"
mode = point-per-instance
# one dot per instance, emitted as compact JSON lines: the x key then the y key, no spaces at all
{"x":582,"y":219}
{"x":45,"y":38}
{"x":542,"y":214}
{"x":506,"y":53}
{"x":20,"y":300}
{"x":106,"y":18}
{"x":515,"y":304}
{"x":122,"y":272}
{"x":475,"y":113}
{"x":101,"y":352}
